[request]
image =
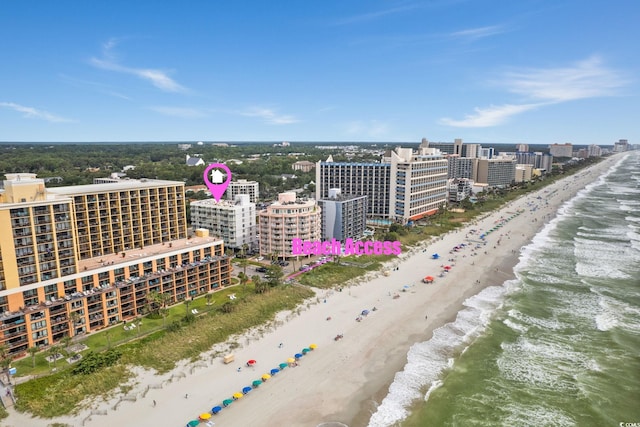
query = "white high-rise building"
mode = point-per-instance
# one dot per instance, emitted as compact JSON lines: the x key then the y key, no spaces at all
{"x":242,"y":186}
{"x":233,"y":221}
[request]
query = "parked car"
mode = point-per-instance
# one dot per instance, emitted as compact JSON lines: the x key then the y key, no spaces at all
{"x":304,"y":267}
{"x":283,"y":263}
{"x":260,"y":258}
{"x":261,"y":269}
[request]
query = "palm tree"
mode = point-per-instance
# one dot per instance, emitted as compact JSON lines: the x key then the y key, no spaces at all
{"x":5,"y":361}
{"x":53,"y":352}
{"x":243,"y":281}
{"x":74,"y":318}
{"x":32,"y":351}
{"x":66,"y":342}
{"x":107,"y":335}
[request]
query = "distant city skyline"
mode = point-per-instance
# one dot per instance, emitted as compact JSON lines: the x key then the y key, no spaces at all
{"x":489,"y":72}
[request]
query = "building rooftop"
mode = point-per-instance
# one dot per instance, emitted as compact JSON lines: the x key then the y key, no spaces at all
{"x":137,"y":254}
{"x":129,"y":184}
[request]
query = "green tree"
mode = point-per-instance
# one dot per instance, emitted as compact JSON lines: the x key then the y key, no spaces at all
{"x":274,"y":275}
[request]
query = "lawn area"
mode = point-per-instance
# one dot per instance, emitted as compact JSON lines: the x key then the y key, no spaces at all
{"x":62,"y":392}
{"x":332,"y":274}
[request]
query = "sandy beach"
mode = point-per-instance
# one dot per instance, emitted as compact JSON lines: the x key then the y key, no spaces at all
{"x":340,"y":381}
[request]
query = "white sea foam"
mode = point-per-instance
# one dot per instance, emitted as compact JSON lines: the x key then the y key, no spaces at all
{"x":536,"y":416}
{"x":515,"y":326}
{"x":427,"y":361}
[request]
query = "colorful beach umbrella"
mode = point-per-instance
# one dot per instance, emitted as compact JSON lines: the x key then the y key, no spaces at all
{"x":274,"y":371}
{"x":251,"y":362}
{"x":246,"y":390}
{"x":297,"y":356}
{"x":313,"y":346}
{"x":291,"y":360}
{"x":216,"y":409}
{"x":266,"y":377}
{"x":237,"y":395}
{"x":227,"y":402}
{"x":306,"y":350}
{"x":256,"y":383}
{"x":193,"y":423}
{"x":283,"y":365}
{"x":205,"y":416}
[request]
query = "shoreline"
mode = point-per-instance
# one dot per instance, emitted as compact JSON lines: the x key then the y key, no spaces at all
{"x":344,"y":380}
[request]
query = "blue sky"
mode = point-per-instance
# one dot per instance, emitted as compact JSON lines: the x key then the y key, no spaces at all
{"x":488,"y":71}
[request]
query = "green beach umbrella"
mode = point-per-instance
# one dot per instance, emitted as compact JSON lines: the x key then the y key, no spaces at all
{"x":227,"y":402}
{"x":256,"y":383}
{"x":193,"y":423}
{"x":283,"y":365}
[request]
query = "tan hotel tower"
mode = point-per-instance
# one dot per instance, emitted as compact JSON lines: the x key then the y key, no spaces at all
{"x":77,"y":259}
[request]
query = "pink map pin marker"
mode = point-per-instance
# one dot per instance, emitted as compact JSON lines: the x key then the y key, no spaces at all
{"x":217,"y":187}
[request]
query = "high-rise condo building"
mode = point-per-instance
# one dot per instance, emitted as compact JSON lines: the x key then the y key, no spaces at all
{"x":287,"y":219}
{"x":406,"y":185}
{"x":343,"y":216}
{"x":77,"y":259}
{"x":233,"y":221}
{"x":242,"y":186}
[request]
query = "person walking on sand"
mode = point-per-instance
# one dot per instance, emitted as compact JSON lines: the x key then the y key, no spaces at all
{"x":154,"y":403}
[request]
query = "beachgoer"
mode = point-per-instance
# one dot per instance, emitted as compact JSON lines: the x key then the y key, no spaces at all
{"x":186,"y":396}
{"x":239,"y":369}
{"x":154,"y":403}
{"x":280,"y":345}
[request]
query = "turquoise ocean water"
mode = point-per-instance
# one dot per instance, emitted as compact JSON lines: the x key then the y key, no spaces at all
{"x":558,"y":346}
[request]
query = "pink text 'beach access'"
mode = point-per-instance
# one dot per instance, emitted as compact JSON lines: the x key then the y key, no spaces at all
{"x":334,"y":247}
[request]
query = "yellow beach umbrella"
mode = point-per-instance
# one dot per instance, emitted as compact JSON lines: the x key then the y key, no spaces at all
{"x":237,"y":395}
{"x":313,"y":346}
{"x":205,"y":416}
{"x":266,"y":377}
{"x":291,"y":360}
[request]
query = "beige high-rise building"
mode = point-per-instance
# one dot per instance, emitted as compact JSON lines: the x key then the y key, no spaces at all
{"x":287,"y":219}
{"x":77,"y":259}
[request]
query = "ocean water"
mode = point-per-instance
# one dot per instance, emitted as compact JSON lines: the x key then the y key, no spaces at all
{"x":559,"y":345}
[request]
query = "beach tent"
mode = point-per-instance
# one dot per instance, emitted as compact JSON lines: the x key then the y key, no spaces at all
{"x":435,"y":256}
{"x":216,"y":409}
{"x":428,"y":279}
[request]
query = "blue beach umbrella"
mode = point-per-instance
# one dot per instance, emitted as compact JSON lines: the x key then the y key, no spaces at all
{"x":274,"y":371}
{"x":246,"y":390}
{"x":216,"y":409}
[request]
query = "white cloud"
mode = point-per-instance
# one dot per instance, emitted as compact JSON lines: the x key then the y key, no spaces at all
{"x":541,"y":87}
{"x":187,"y":113}
{"x":478,"y":33}
{"x":270,"y":116}
{"x":33,"y":113}
{"x":158,"y":78}
{"x":586,"y":79}
{"x":487,"y":117}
